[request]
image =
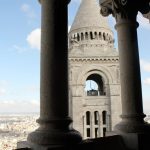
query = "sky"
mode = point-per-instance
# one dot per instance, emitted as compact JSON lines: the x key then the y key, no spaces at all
{"x":20,"y":54}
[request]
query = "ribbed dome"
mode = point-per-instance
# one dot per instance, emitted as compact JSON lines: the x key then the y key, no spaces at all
{"x":88,"y":15}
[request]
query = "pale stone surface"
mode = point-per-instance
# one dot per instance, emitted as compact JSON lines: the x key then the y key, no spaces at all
{"x":91,"y":51}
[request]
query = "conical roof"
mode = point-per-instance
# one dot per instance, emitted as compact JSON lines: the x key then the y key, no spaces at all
{"x":88,"y":15}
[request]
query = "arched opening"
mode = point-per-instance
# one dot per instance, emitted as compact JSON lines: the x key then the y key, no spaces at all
{"x":82,"y":36}
{"x":96,"y":117}
{"x":78,"y":37}
{"x":100,"y":35}
{"x":91,"y":35}
{"x":95,"y":33}
{"x":104,"y":36}
{"x":86,"y":35}
{"x":88,"y":118}
{"x":104,"y":113}
{"x":95,"y":85}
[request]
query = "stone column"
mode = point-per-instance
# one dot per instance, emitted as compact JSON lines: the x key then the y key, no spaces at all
{"x":54,"y":130}
{"x":132,"y":124}
{"x":131,"y":94}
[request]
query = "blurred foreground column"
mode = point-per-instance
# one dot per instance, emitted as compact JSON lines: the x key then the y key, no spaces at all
{"x":132,"y":128}
{"x":54,"y":130}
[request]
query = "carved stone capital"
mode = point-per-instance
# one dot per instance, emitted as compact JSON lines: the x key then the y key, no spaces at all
{"x":106,"y":11}
{"x":124,"y":9}
{"x":68,"y":1}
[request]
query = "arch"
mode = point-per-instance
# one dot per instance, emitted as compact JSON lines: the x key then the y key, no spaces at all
{"x":86,"y":71}
{"x":98,"y":83}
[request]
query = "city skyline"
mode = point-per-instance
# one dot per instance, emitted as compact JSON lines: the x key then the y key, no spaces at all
{"x":20,"y":54}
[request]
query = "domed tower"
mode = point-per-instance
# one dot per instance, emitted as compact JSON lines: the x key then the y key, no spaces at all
{"x":94,"y":82}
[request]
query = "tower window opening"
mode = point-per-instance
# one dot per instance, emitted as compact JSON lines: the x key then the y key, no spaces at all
{"x":104,"y":132}
{"x":95,"y":33}
{"x":88,"y":118}
{"x":95,"y":85}
{"x":78,"y":37}
{"x":96,"y":118}
{"x":91,"y":35}
{"x":104,"y":113}
{"x":100,"y":35}
{"x":88,"y":132}
{"x":104,"y":36}
{"x":86,"y":35}
{"x":82,"y":36}
{"x":96,"y":132}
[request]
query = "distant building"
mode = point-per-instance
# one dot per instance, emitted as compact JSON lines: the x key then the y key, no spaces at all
{"x":93,"y":59}
{"x":147,"y":118}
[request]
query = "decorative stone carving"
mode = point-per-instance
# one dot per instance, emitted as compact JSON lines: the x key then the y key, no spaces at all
{"x":126,"y":9}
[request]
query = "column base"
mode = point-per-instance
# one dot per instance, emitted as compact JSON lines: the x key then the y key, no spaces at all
{"x":135,"y":136}
{"x":46,"y":140}
{"x":132,"y":127}
{"x":39,"y":140}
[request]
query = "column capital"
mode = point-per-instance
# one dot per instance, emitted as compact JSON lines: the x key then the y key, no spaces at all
{"x":124,"y":9}
{"x":68,"y":1}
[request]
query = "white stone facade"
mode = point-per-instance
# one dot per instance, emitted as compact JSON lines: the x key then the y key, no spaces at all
{"x":92,"y":56}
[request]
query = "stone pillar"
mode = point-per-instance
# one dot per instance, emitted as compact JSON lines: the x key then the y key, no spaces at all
{"x":132,"y":125}
{"x":131,"y":94}
{"x":54,"y":130}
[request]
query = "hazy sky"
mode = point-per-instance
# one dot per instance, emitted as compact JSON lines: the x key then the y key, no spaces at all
{"x":20,"y":54}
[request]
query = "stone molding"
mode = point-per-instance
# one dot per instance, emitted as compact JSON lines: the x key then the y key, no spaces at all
{"x":107,"y":59}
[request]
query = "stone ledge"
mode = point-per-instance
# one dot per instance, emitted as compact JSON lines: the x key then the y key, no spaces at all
{"x":104,"y":143}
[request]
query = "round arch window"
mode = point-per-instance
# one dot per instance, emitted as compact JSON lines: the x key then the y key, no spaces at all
{"x":94,"y":85}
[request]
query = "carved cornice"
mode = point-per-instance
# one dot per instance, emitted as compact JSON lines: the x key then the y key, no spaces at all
{"x":124,"y":9}
{"x":104,"y":60}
